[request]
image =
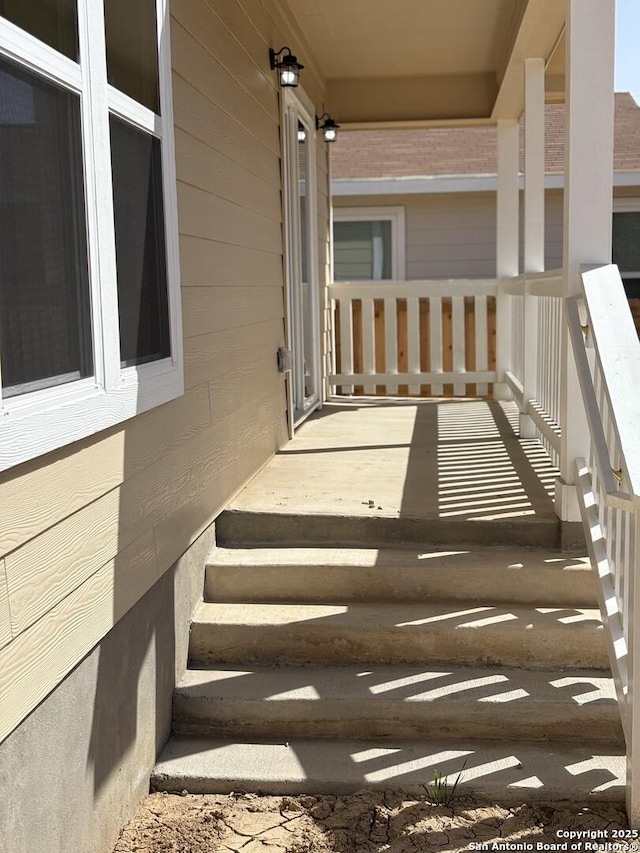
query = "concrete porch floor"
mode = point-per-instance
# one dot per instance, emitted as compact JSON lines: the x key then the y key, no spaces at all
{"x":456,"y":464}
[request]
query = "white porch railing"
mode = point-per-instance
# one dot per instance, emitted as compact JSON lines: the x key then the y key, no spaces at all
{"x":414,"y":337}
{"x":607,"y":353}
{"x":536,"y":338}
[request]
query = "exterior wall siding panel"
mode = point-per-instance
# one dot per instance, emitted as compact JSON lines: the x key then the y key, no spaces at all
{"x":87,"y":530}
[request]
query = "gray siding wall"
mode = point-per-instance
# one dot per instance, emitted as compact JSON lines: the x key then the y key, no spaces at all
{"x":453,"y":235}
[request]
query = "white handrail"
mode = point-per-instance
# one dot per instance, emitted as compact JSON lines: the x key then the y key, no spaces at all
{"x":607,"y":356}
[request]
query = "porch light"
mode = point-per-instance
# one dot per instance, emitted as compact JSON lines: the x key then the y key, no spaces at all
{"x":288,"y":67}
{"x":302,"y":135}
{"x":328,"y":127}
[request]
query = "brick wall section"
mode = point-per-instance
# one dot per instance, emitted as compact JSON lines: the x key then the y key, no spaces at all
{"x":467,"y":151}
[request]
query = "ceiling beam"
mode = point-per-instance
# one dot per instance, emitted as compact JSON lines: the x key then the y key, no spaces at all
{"x":539,"y":32}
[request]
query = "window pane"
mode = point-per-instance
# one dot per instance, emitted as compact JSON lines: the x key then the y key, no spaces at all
{"x":362,"y":250}
{"x":140,"y":244}
{"x":132,"y":49}
{"x":303,"y":180}
{"x":626,"y":241}
{"x":54,"y":22}
{"x":45,"y":332}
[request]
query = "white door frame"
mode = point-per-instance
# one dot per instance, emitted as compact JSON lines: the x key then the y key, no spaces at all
{"x":298,"y":108}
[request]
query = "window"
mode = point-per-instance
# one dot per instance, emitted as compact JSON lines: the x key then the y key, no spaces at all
{"x":89,"y":279}
{"x":368,"y":244}
{"x":626,"y":243}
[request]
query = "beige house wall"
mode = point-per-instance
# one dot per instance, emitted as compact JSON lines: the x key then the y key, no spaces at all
{"x":87,"y":530}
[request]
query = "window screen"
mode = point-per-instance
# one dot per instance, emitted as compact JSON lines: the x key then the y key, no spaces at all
{"x":55,"y":22}
{"x":140,"y":244}
{"x":362,"y":251}
{"x":45,"y":336}
{"x":132,"y":49}
{"x":626,"y":250}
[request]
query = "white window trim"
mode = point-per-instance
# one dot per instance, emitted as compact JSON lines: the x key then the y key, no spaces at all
{"x":624,"y":204}
{"x":394,"y":214}
{"x":40,"y":421}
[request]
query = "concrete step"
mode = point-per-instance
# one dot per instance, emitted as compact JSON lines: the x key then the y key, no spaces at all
{"x":484,"y":575}
{"x":397,"y":702}
{"x":493,"y":770}
{"x":448,"y":633}
{"x":259,"y":527}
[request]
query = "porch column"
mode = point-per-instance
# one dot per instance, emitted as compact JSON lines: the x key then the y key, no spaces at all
{"x":534,"y":138}
{"x":507,"y":241}
{"x":588,"y":190}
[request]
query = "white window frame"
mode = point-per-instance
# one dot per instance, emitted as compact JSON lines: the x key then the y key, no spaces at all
{"x":39,"y":421}
{"x":394,"y":214}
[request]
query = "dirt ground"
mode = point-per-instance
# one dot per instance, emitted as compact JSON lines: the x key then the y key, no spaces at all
{"x":367,"y":822}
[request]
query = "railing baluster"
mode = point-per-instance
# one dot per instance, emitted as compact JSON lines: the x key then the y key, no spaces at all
{"x":458,"y":342}
{"x":413,"y":340}
{"x":346,"y":340}
{"x":435,"y":340}
{"x":368,"y":344}
{"x":391,"y":341}
{"x":482,"y":340}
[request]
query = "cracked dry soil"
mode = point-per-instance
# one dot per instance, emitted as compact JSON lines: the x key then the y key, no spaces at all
{"x":366,"y":822}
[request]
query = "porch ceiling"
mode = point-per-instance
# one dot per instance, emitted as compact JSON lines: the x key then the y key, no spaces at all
{"x":424,"y":62}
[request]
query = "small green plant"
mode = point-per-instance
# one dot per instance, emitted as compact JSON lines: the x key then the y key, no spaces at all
{"x":440,"y":792}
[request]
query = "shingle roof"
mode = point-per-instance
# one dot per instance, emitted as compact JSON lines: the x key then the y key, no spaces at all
{"x":468,"y":151}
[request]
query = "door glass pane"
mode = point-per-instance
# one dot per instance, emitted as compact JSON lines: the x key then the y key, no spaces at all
{"x":45,"y":332}
{"x":304,"y":138}
{"x":362,"y":250}
{"x":132,"y":49}
{"x":55,"y":22}
{"x":140,"y":244}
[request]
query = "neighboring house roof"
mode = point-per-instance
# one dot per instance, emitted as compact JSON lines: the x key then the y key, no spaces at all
{"x":467,"y":150}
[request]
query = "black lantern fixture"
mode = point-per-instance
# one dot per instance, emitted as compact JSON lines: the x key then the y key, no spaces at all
{"x":288,"y":67}
{"x":328,"y":127}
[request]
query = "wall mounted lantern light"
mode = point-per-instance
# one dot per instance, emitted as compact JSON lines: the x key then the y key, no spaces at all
{"x":328,"y":127}
{"x":288,"y":67}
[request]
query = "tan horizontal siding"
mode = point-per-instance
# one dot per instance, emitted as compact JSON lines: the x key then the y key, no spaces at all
{"x":216,"y":41}
{"x":44,"y":494}
{"x":208,"y":309}
{"x":204,"y":167}
{"x":205,"y":263}
{"x":5,"y":616}
{"x":263,"y":432}
{"x":36,"y":661}
{"x":214,"y":81}
{"x":201,"y":214}
{"x":207,"y":356}
{"x":87,"y":530}
{"x":203,"y":119}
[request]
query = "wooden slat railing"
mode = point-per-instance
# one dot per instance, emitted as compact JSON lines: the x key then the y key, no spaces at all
{"x":414,"y":338}
{"x":607,"y":354}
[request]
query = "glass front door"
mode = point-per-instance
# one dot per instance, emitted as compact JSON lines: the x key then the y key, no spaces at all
{"x":302,"y":263}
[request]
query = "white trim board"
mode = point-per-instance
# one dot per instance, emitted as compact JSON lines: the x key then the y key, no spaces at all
{"x":431,"y":184}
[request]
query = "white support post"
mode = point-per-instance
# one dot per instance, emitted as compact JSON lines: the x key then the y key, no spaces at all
{"x":588,"y":202}
{"x":507,"y":242}
{"x":534,"y":138}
